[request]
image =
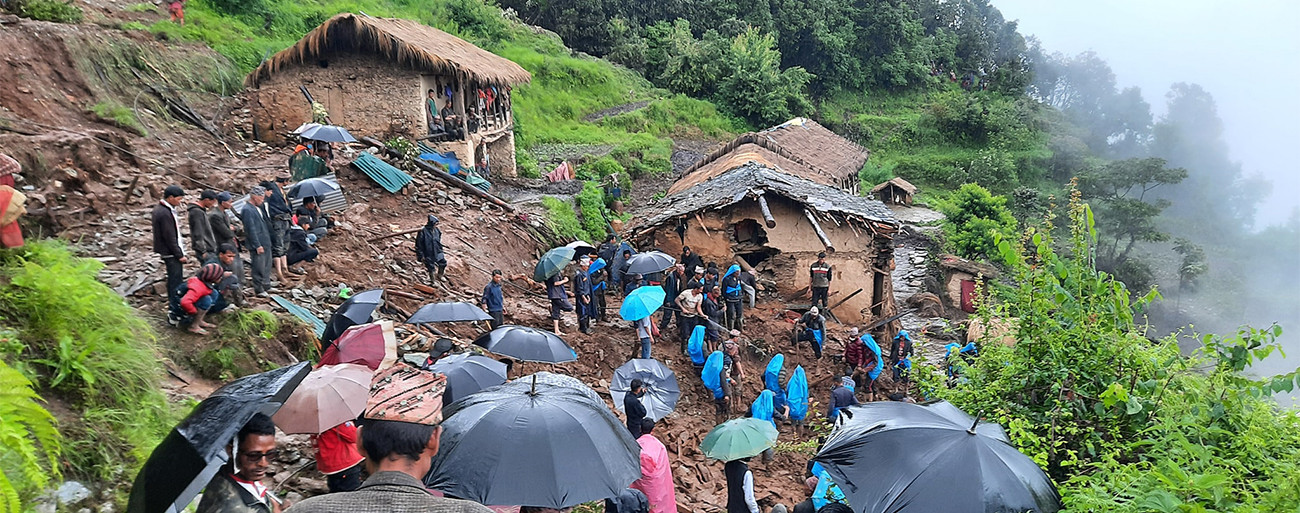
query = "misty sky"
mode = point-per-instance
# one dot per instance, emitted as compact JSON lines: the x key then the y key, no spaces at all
{"x":1245,"y":53}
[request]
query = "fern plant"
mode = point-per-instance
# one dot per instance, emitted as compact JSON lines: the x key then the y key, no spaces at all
{"x":29,"y":437}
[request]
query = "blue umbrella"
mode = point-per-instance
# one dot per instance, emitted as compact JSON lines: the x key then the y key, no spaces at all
{"x":328,"y":133}
{"x":642,"y":302}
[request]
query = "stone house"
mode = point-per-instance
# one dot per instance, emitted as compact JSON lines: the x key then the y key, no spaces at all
{"x":373,"y":76}
{"x":963,"y":280}
{"x":757,"y":207}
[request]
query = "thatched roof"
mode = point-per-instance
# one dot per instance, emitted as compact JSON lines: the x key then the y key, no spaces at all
{"x":404,"y":42}
{"x":805,"y":148}
{"x":750,"y":179}
{"x":896,"y":182}
{"x":738,"y":153}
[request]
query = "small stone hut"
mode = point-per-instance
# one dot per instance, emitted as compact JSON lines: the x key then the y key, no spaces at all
{"x":963,"y":279}
{"x":373,"y":76}
{"x":752,"y":209}
{"x":801,"y":146}
{"x":896,"y":191}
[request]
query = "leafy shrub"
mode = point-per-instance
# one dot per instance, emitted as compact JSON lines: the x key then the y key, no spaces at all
{"x":526,"y":163}
{"x":118,"y":114}
{"x":644,"y":155}
{"x":591,"y":202}
{"x":133,"y":25}
{"x":95,"y":352}
{"x":975,"y":220}
{"x":142,"y":7}
{"x":32,"y":442}
{"x":217,"y":363}
{"x":874,"y":173}
{"x":562,"y":220}
{"x":50,"y":10}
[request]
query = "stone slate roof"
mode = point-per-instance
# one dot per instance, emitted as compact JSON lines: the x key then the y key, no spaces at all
{"x":751,"y":178}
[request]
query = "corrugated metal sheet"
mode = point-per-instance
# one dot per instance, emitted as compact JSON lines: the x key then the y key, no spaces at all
{"x":316,"y":324}
{"x":332,"y":202}
{"x":388,"y":177}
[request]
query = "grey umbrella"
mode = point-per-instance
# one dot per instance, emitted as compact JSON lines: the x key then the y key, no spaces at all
{"x":649,"y":262}
{"x":902,"y":457}
{"x":312,"y":187}
{"x":661,"y":392}
{"x":448,"y":312}
{"x":328,"y":133}
{"x":554,"y":447}
{"x":469,"y":373}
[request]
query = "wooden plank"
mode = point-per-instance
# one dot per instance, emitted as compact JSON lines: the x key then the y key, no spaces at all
{"x":701,"y":221}
{"x":767,"y":213}
{"x":826,"y":241}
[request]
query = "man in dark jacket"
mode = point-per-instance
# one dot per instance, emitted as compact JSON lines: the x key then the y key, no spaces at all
{"x":582,"y":295}
{"x":494,"y":302}
{"x":277,"y":208}
{"x":841,"y":397}
{"x":606,"y":249}
{"x":859,"y":360}
{"x":258,"y":232}
{"x":633,"y":408}
{"x":167,"y":238}
{"x":300,"y":249}
{"x":672,"y":287}
{"x":559,"y":300}
{"x":223,"y":233}
{"x":201,"y":236}
{"x":239,"y":489}
{"x":311,"y":220}
{"x":690,"y":261}
{"x":731,"y":297}
{"x":428,"y":248}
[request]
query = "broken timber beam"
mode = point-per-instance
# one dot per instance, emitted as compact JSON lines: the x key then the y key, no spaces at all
{"x":394,"y":234}
{"x":442,"y":175}
{"x":846,"y":298}
{"x":767,"y":212}
{"x":826,"y":241}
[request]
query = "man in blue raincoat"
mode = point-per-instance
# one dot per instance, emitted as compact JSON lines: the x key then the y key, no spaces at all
{"x":812,"y":328}
{"x":599,"y":286}
{"x":731,"y":295}
{"x":712,"y":376}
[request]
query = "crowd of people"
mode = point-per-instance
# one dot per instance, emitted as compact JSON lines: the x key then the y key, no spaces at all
{"x":275,"y":236}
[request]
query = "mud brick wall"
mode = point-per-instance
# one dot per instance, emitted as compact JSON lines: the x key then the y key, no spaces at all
{"x":367,"y":95}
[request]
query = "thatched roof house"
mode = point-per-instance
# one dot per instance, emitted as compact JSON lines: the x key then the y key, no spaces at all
{"x":800,"y":147}
{"x":375,"y":75}
{"x":750,"y":209}
{"x":896,"y":191}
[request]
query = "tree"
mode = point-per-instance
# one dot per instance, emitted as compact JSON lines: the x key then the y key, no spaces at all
{"x":975,"y":220}
{"x":1120,"y":193}
{"x":755,"y":87}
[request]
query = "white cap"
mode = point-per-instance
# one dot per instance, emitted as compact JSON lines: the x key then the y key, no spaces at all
{"x":813,"y":310}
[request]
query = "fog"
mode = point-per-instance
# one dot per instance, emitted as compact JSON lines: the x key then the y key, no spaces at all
{"x":1244,"y":53}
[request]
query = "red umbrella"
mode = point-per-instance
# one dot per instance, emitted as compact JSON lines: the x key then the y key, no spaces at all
{"x":373,"y":345}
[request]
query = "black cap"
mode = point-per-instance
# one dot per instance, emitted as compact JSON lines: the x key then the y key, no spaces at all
{"x":497,"y":272}
{"x":208,"y":194}
{"x":821,"y":254}
{"x":173,"y":191}
{"x":282,"y":179}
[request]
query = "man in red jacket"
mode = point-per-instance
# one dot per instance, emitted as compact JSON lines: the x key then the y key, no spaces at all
{"x":860,"y":361}
{"x":337,"y":457}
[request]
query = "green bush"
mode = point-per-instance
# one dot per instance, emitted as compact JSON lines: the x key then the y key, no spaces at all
{"x":217,"y":363}
{"x":644,"y":155}
{"x":92,"y":349}
{"x":133,"y":25}
{"x":51,"y":10}
{"x":118,"y":114}
{"x":562,"y":219}
{"x":874,"y":173}
{"x":32,"y":444}
{"x":591,"y":202}
{"x":975,"y":220}
{"x":526,"y":163}
{"x":142,"y":7}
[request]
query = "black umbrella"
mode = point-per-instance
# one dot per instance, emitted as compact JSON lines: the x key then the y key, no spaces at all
{"x":553,"y":448}
{"x":568,"y":383}
{"x":661,"y":391}
{"x":581,"y":248}
{"x":527,"y":344}
{"x":448,"y":312}
{"x":902,"y":457}
{"x":649,"y":262}
{"x":468,"y":373}
{"x":195,"y":449}
{"x":312,"y":187}
{"x":356,"y":310}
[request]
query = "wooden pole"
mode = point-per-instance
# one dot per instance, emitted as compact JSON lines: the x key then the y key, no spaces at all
{"x":394,"y":234}
{"x":767,"y":213}
{"x":826,"y":241}
{"x":846,"y":298}
{"x":442,"y":175}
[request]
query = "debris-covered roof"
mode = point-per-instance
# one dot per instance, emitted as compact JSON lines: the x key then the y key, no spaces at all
{"x":406,"y":42}
{"x":800,"y":146}
{"x":751,"y":178}
{"x":899,"y":182}
{"x":968,"y":266}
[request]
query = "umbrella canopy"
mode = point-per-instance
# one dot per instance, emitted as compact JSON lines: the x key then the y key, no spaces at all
{"x":649,"y":262}
{"x":373,"y":345}
{"x":616,"y":267}
{"x":329,"y":396}
{"x":448,"y":312}
{"x":554,"y":448}
{"x":661,"y":392}
{"x":903,"y":457}
{"x":328,"y":133}
{"x":468,"y":373}
{"x":196,"y":448}
{"x":552,"y":263}
{"x":739,"y":438}
{"x":581,"y":248}
{"x":312,"y":187}
{"x":527,"y":344}
{"x":356,"y":310}
{"x":642,"y":302}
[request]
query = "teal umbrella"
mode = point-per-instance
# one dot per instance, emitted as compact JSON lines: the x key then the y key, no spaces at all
{"x":642,"y":302}
{"x":552,"y":263}
{"x":739,"y":438}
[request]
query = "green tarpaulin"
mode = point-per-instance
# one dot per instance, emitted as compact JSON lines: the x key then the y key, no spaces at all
{"x":389,"y":177}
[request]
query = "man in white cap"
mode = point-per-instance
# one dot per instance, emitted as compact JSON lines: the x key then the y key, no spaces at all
{"x":811,"y":327}
{"x":582,"y":295}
